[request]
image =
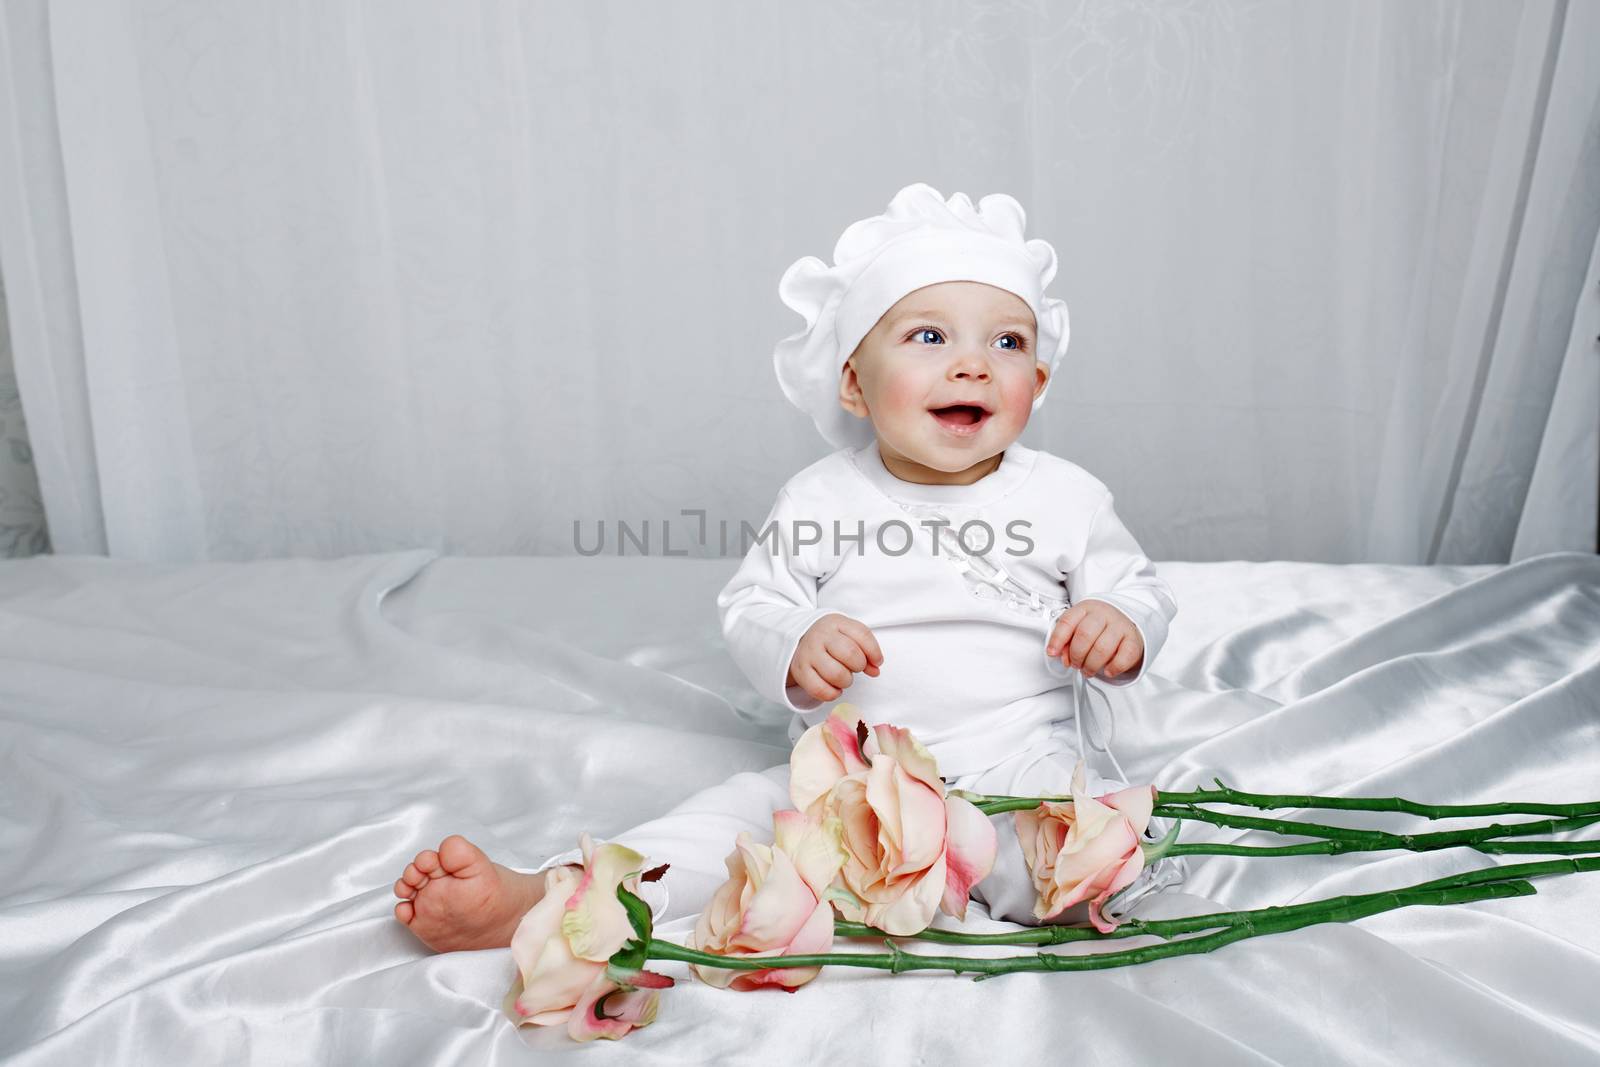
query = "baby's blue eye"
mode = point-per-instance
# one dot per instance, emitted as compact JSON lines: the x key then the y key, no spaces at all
{"x":1017,"y":343}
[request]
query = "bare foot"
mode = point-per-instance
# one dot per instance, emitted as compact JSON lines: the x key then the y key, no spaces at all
{"x":456,"y":898}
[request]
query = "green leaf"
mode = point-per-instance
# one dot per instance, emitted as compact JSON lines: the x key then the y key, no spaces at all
{"x":625,"y":963}
{"x":638,"y":914}
{"x":839,"y":892}
{"x":1156,"y":850}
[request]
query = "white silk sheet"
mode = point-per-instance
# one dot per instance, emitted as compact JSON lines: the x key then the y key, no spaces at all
{"x":210,"y":776}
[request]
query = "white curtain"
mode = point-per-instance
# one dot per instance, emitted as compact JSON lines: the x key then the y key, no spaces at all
{"x":22,"y":526}
{"x":313,"y":278}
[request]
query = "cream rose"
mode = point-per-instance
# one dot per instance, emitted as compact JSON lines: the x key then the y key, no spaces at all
{"x":1085,"y":849}
{"x":563,"y":943}
{"x":773,"y":903}
{"x":910,"y":850}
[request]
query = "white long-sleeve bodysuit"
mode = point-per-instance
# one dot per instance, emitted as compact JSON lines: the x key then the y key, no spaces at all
{"x":960,"y":585}
{"x":964,"y":664}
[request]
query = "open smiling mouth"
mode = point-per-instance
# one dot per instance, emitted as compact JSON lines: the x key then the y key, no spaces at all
{"x":961,"y":419}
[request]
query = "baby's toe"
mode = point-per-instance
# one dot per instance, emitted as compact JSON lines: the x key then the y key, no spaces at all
{"x":403,"y":890}
{"x":413,"y":877}
{"x":427,"y":862}
{"x":456,"y":854}
{"x":405,"y":912}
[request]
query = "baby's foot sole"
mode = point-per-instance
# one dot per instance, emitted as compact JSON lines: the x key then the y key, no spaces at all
{"x":455,"y":898}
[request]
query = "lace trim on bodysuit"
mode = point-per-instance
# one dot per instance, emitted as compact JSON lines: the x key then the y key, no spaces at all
{"x":985,"y":578}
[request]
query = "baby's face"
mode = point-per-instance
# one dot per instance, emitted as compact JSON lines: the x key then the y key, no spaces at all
{"x":942,"y":345}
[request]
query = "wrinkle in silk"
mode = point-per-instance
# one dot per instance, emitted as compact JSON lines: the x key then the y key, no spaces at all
{"x":213,"y":773}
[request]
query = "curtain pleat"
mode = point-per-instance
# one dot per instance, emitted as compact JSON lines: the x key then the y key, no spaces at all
{"x":314,"y":279}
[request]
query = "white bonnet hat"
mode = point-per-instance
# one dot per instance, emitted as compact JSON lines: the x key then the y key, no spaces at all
{"x":921,"y":239}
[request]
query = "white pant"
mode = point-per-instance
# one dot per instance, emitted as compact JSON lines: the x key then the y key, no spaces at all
{"x":698,"y":834}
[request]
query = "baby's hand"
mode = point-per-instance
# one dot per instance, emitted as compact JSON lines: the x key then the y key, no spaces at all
{"x":1092,"y":634}
{"x":830,"y":653}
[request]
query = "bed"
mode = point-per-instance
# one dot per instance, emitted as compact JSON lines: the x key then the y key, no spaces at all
{"x":210,"y":776}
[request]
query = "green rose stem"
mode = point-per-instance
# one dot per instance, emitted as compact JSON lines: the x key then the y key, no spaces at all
{"x":897,"y":960}
{"x":1164,"y":928}
{"x":1310,"y":829}
{"x":1345,"y":839}
{"x":1487,"y":884}
{"x":1341,"y":839}
{"x":1479,"y":837}
{"x":1225,"y":795}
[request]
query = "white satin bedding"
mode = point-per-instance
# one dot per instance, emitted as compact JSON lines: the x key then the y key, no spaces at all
{"x":211,"y":775}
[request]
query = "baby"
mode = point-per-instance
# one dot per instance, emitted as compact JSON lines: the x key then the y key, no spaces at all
{"x":948,"y":577}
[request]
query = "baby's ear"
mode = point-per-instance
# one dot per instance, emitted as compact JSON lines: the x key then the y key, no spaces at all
{"x":1041,"y":371}
{"x":850,"y":396}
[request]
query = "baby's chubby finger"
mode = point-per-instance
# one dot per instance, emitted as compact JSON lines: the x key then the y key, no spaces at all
{"x":1061,"y":633}
{"x":810,"y":680}
{"x":1102,"y":651}
{"x":871,"y":669}
{"x":1084,"y":639}
{"x":864,"y":639}
{"x":1057,"y":641}
{"x":845,"y":651}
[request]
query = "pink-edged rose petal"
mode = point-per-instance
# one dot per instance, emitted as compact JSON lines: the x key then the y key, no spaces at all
{"x":596,"y":924}
{"x":624,"y":1011}
{"x":970,"y":851}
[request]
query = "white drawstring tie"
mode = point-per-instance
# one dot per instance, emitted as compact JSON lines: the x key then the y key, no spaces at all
{"x":988,"y":579}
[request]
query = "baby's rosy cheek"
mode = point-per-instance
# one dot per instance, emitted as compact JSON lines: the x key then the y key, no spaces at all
{"x":903,"y":394}
{"x":1016,"y":403}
